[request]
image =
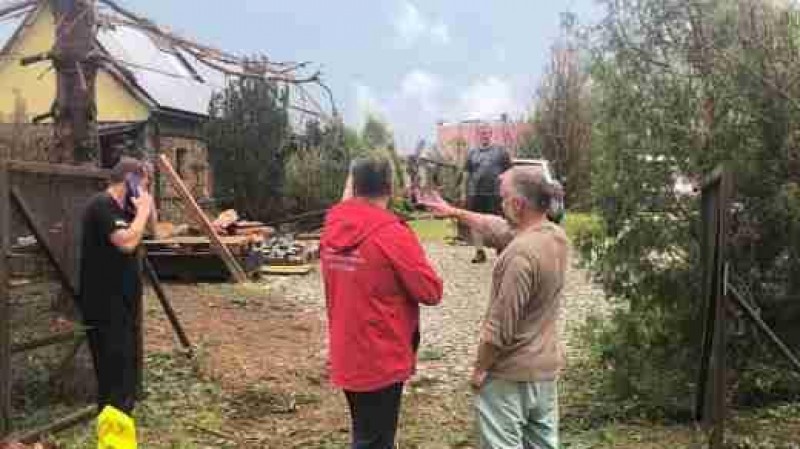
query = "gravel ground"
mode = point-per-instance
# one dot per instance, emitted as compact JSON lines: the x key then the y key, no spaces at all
{"x":450,"y":330}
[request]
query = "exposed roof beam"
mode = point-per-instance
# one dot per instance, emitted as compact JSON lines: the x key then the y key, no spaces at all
{"x":17,"y":7}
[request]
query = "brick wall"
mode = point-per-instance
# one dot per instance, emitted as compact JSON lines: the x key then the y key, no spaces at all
{"x":27,"y":142}
{"x":189,"y":157}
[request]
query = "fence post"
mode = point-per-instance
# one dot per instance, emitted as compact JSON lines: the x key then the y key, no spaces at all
{"x":721,"y":299}
{"x":5,"y":316}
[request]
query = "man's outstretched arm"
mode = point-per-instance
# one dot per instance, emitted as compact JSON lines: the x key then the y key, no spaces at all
{"x":495,"y":230}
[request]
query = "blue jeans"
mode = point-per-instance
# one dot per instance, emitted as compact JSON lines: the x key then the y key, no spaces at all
{"x":517,"y":415}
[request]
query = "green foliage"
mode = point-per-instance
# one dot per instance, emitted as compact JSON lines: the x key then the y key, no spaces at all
{"x":585,"y":231}
{"x":376,"y":133}
{"x":314,"y":181}
{"x":316,"y":171}
{"x":531,"y":146}
{"x":177,"y":399}
{"x":248,"y":143}
{"x":676,"y":90}
{"x":433,"y":230}
{"x":563,"y":122}
{"x":401,"y":206}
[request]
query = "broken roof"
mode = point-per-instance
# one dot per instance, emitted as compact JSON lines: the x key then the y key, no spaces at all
{"x":171,"y":72}
{"x":8,"y":25}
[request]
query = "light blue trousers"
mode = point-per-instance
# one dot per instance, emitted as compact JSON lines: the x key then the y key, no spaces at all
{"x":517,"y":415}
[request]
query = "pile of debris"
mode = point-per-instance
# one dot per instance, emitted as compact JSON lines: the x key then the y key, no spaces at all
{"x":287,"y":250}
{"x":182,"y":252}
{"x":227,"y":223}
{"x":185,"y":252}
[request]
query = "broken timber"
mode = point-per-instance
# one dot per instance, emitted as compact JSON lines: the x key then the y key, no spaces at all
{"x":165,"y":304}
{"x":237,"y":273}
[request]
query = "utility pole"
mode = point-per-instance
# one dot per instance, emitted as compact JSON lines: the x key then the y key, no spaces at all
{"x":74,"y":57}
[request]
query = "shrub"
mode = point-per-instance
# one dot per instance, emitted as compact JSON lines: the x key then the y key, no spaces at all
{"x":585,"y":231}
{"x":312,"y":181}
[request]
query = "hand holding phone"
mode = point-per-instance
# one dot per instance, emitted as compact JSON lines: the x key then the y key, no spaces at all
{"x":134,"y":197}
{"x":143,"y":204}
{"x":132,"y":182}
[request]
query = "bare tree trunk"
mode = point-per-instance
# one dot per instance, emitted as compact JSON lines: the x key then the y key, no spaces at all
{"x":75,"y":128}
{"x":75,"y":108}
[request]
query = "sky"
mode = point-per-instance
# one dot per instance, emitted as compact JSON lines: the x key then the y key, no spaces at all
{"x":410,"y":62}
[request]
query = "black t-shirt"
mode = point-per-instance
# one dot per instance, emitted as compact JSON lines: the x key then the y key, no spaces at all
{"x":485,"y":165}
{"x":110,"y":282}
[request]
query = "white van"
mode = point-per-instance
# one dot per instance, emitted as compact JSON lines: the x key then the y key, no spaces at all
{"x":543,"y":163}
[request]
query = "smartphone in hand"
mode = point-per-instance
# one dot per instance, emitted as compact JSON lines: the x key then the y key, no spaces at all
{"x":132,"y":182}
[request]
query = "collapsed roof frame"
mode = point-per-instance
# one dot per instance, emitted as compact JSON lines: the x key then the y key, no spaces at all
{"x":260,"y":67}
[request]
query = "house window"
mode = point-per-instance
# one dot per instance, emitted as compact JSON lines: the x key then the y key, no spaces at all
{"x":180,"y":162}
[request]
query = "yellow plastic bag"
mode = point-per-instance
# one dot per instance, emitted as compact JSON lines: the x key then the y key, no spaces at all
{"x":115,"y":430}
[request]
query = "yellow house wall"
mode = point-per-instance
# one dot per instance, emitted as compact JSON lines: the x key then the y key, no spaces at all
{"x":32,"y":88}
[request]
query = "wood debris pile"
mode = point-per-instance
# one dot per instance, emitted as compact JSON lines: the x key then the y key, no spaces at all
{"x":183,"y":252}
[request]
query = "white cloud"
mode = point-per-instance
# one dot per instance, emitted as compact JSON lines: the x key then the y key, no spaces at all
{"x":500,"y":54}
{"x":441,"y":33}
{"x":420,"y":88}
{"x":411,"y":26}
{"x":488,"y":98}
{"x":419,"y":83}
{"x":367,"y":103}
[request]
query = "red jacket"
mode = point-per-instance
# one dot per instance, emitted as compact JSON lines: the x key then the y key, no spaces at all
{"x":376,"y":275}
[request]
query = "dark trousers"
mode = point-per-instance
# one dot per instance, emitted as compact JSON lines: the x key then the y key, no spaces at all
{"x":114,"y":346}
{"x":374,"y":415}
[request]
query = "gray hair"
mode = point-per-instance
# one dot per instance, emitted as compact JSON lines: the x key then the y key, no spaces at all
{"x":530,"y":184}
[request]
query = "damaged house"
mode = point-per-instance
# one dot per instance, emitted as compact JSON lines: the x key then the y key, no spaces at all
{"x":152,"y":95}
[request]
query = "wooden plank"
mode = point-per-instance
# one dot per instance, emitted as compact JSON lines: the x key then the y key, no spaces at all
{"x":165,"y":304}
{"x":41,"y":237}
{"x":713,"y":178}
{"x":46,"y":168}
{"x":199,"y":240}
{"x":66,"y":422}
{"x":287,"y":270}
{"x":49,"y":340}
{"x":5,"y":316}
{"x":720,"y":328}
{"x":709,"y":213}
{"x":304,"y":216}
{"x":237,"y":273}
{"x":764,"y":327}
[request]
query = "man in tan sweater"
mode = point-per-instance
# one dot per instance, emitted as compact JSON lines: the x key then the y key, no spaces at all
{"x":520,"y":353}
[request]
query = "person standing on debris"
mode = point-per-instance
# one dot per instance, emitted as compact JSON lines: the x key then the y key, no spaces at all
{"x":114,"y":222}
{"x":520,"y":353}
{"x":376,"y":275}
{"x":483,"y":167}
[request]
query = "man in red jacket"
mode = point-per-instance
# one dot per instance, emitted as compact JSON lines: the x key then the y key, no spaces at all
{"x":376,"y":274}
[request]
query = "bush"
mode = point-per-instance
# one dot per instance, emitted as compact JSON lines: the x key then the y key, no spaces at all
{"x":585,"y":231}
{"x":312,"y":181}
{"x":661,"y":111}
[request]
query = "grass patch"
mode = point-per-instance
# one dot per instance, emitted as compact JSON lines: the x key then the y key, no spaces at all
{"x":178,"y":400}
{"x":433,"y":230}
